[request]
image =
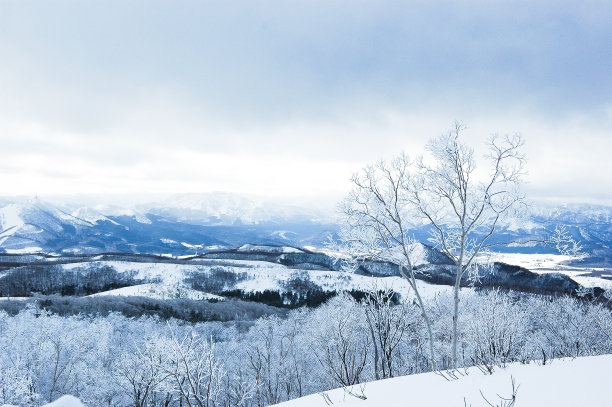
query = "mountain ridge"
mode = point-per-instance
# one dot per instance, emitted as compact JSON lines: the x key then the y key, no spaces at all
{"x":193,"y":223}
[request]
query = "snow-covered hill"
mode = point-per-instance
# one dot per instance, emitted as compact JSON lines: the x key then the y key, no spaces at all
{"x":30,"y":225}
{"x":559,"y":383}
{"x":181,"y":225}
{"x":249,"y":276}
{"x":251,"y":269}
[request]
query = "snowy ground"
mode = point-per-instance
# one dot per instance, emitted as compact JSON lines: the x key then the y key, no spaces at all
{"x":64,"y":401}
{"x":577,"y":382}
{"x":557,"y":263}
{"x":160,"y":292}
{"x":255,"y":276}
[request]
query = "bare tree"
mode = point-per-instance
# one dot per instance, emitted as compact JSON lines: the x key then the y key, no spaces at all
{"x":193,"y":369}
{"x":139,"y":373}
{"x":465,"y":207}
{"x":387,"y":325}
{"x":341,"y":342}
{"x":463,"y":204}
{"x":377,"y":216}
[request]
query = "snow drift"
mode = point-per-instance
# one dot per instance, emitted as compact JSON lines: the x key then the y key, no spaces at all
{"x":561,"y":382}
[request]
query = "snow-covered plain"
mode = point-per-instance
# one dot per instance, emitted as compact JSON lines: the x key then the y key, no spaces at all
{"x":560,"y":383}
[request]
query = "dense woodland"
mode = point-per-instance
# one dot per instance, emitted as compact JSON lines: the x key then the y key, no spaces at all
{"x":114,"y":360}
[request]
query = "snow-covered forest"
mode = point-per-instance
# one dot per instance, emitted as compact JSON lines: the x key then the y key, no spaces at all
{"x":119,"y":361}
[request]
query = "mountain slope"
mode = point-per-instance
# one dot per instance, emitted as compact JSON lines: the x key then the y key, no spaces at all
{"x":37,"y":226}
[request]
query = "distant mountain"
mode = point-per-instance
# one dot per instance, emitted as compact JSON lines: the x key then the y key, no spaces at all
{"x":591,"y":225}
{"x":193,"y":223}
{"x":35,"y":225}
{"x":220,"y":208}
{"x":588,"y":224}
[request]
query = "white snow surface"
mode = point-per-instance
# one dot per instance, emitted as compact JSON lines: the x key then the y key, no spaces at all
{"x":257,"y":276}
{"x":560,"y":383}
{"x":160,"y":291}
{"x":167,"y":273}
{"x":227,"y":208}
{"x":556,"y":263}
{"x":65,"y":401}
{"x":90,"y":215}
{"x":23,"y":250}
{"x":250,"y":248}
{"x":10,"y":219}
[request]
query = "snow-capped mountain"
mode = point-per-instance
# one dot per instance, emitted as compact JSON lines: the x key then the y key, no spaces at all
{"x":182,"y":224}
{"x":221,"y":208}
{"x":33,"y":224}
{"x":190,"y":223}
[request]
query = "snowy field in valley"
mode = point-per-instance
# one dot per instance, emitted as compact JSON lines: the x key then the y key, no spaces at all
{"x":160,"y":292}
{"x":254,"y":276}
{"x":560,"y":383}
{"x":557,"y":263}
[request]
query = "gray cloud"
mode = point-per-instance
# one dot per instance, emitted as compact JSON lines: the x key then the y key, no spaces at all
{"x":344,"y":81}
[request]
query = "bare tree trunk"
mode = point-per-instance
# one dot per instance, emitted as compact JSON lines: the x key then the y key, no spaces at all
{"x":376,"y":373}
{"x":432,"y":354}
{"x":455,"y":318}
{"x":412,"y":280}
{"x":456,"y":289}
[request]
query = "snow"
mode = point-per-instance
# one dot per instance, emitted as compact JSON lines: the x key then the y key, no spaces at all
{"x":193,"y":246}
{"x":168,"y":241}
{"x":24,"y":250}
{"x":256,"y":276}
{"x":560,"y":383}
{"x":557,"y":263}
{"x":228,"y":209}
{"x":65,"y":401}
{"x":167,"y":273}
{"x":10,"y":219}
{"x":90,"y":215}
{"x":269,"y":276}
{"x":139,"y":217}
{"x":250,"y":248}
{"x":416,"y":250}
{"x":160,"y":291}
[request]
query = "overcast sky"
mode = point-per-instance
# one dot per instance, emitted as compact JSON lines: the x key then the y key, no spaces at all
{"x":289,"y":98}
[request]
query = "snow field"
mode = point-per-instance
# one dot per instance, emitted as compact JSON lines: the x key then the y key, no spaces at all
{"x":561,"y":383}
{"x":260,"y":276}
